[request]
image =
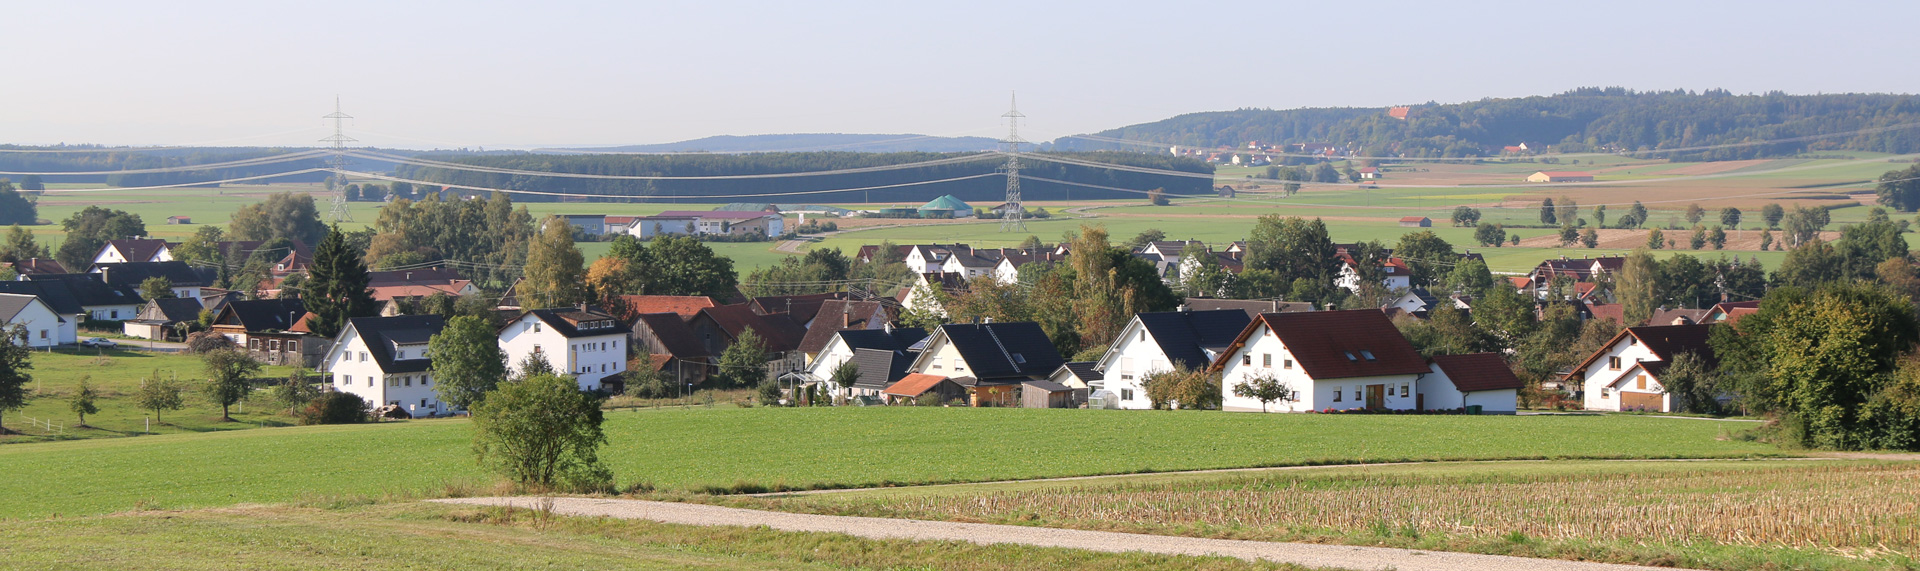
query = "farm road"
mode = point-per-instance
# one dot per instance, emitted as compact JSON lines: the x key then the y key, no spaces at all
{"x":1308,"y":554}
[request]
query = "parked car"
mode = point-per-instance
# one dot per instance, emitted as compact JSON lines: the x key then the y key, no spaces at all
{"x":101,"y":342}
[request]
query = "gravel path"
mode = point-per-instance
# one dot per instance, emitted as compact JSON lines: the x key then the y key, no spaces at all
{"x":1308,"y":554}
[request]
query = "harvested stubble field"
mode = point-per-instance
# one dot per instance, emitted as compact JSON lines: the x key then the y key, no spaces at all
{"x":1729,"y":515}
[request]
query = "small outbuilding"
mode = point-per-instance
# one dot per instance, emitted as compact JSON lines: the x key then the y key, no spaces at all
{"x":916,"y":386}
{"x":179,"y":220}
{"x":1045,"y":394}
{"x":1416,"y":222}
{"x":1560,"y":176}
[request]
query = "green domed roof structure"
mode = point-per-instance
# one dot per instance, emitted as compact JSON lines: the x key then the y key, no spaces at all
{"x":948,"y":203}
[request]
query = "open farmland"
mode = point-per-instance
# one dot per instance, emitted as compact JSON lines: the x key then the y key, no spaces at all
{"x":760,"y":448}
{"x":1722,"y":515}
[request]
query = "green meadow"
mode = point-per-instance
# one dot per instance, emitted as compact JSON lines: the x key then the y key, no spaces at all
{"x":757,"y":449}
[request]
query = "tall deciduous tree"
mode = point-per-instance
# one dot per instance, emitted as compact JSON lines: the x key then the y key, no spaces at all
{"x":21,"y":245}
{"x":1730,"y":217}
{"x":684,"y":266}
{"x":1428,"y":256}
{"x":83,"y":400}
{"x":1569,"y":211}
{"x":744,"y":363}
{"x":336,"y":288}
{"x":14,"y":371}
{"x":555,"y":276}
{"x":1772,"y":213}
{"x":89,"y":229}
{"x":16,"y":208}
{"x":286,"y":215}
{"x":228,"y":374}
{"x":1695,"y":213}
{"x":1638,"y":286}
{"x":1900,"y":189}
{"x":1547,"y":213}
{"x":467,"y":361}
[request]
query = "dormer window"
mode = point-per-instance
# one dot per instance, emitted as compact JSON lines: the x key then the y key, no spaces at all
{"x":1350,"y":356}
{"x":1018,"y":358}
{"x":536,"y":327}
{"x":1368,"y":355}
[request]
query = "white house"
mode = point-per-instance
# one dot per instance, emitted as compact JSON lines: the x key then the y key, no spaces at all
{"x":1329,"y":359}
{"x":384,"y":361}
{"x":1159,"y":342}
{"x":133,"y":250}
{"x":988,"y":360}
{"x":924,"y":258}
{"x":1396,"y":276}
{"x":1463,"y":381}
{"x":45,"y":328}
{"x":583,"y":343}
{"x":845,"y":344}
{"x":1413,"y":301}
{"x":649,"y":227}
{"x":1625,"y":374}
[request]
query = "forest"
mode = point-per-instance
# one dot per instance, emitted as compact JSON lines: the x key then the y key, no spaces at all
{"x":1582,"y":120}
{"x":990,"y":189}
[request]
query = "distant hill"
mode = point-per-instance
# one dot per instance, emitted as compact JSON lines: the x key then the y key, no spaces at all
{"x":1582,"y":120}
{"x":803,"y":142}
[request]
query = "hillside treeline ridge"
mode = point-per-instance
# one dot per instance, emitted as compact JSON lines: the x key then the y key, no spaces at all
{"x":1589,"y":119}
{"x":988,"y":190}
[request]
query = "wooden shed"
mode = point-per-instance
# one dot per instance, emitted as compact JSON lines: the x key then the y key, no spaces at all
{"x":916,"y":386}
{"x":1045,"y":394}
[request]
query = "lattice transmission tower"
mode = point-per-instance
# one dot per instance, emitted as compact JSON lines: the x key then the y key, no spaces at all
{"x":338,"y":162}
{"x":1013,"y":214}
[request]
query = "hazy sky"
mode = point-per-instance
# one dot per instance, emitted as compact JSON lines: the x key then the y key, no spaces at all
{"x":516,"y":74}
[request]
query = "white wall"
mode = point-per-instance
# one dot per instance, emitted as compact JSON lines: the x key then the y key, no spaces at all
{"x":1600,"y":374}
{"x":1265,"y":354}
{"x":115,"y":312}
{"x":644,"y":229}
{"x":355,"y":371}
{"x":590,"y":359}
{"x":1442,"y":395}
{"x":1127,"y":363}
{"x":44,"y":327}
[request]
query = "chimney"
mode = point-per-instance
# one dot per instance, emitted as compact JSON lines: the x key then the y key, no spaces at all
{"x":1183,"y":308}
{"x":1332,"y":307}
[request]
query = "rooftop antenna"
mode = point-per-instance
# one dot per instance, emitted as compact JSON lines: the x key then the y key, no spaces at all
{"x":1013,"y":214}
{"x":338,"y":162}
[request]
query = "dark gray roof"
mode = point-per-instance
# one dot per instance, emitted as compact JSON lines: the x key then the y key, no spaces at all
{"x":880,"y":367}
{"x":1083,"y":370}
{"x":1185,"y":335}
{"x":177,"y":309}
{"x":1004,"y":351}
{"x":262,"y":314}
{"x":572,"y":322}
{"x":1425,"y":296}
{"x":896,"y":340}
{"x":380,"y":333}
{"x":130,"y":274}
{"x":75,"y":291}
{"x":674,"y":335}
{"x":1048,"y":386}
{"x":11,"y":305}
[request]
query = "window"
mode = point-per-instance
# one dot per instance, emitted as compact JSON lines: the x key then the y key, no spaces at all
{"x":43,"y":334}
{"x":393,"y":381}
{"x":1640,"y":382}
{"x":603,"y":367}
{"x":407,"y":381}
{"x":402,"y":354}
{"x":363,"y":356}
{"x":113,"y":314}
{"x":536,"y":327}
{"x":1286,"y":363}
{"x":1266,"y":360}
{"x":273,"y":345}
{"x":1338,"y":392}
{"x":1356,"y":394}
{"x":1365,"y":354}
{"x":1403,"y":390}
{"x":536,"y":348}
{"x":1019,"y":358}
{"x":1613,"y":363}
{"x":423,"y":403}
{"x":1606,"y":393}
{"x":1126,"y":394}
{"x":346,"y":380}
{"x":1350,"y":356}
{"x":1296,"y":396}
{"x":293,"y":346}
{"x":1246,"y":359}
{"x":1143,"y":335}
{"x":423,"y":380}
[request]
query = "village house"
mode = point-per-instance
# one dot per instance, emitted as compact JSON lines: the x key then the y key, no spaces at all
{"x":160,"y":319}
{"x":684,"y":306}
{"x":717,"y":328}
{"x":989,"y":360}
{"x":573,"y":341}
{"x":1479,"y":383}
{"x":1328,"y":359}
{"x":1080,"y":376}
{"x":272,"y":330}
{"x":185,"y":280}
{"x":842,"y":346}
{"x":1368,"y":173}
{"x":1159,"y":342}
{"x":838,"y":315}
{"x":385,"y":361}
{"x":179,"y":220}
{"x":879,"y":369}
{"x":1395,"y":275}
{"x":134,"y":250}
{"x":44,"y":326}
{"x":720,"y":222}
{"x":1625,"y":373}
{"x":35,"y":266}
{"x":85,"y":294}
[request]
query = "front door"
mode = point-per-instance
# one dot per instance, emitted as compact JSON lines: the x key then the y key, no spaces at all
{"x":1376,"y":396}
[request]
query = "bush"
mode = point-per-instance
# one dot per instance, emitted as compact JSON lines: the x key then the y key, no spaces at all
{"x":204,"y":341}
{"x":543,"y":433}
{"x":768,"y":393}
{"x":333,"y":407}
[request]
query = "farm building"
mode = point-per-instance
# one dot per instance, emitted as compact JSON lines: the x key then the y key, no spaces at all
{"x":1369,"y":173}
{"x":916,"y":386}
{"x":946,"y":207}
{"x":1560,"y":176}
{"x":160,"y":318}
{"x":1416,"y":222}
{"x":179,"y":220}
{"x":989,"y":360}
{"x":1625,"y":374}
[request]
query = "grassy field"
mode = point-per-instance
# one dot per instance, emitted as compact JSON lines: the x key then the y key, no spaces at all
{"x":115,"y":376}
{"x":1718,"y":515}
{"x":443,"y":537}
{"x":754,"y":449}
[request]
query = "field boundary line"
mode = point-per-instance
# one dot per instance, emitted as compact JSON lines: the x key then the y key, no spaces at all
{"x":1308,"y":554}
{"x":1258,"y":469}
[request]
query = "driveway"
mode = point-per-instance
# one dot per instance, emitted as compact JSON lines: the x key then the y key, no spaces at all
{"x":1308,"y":554}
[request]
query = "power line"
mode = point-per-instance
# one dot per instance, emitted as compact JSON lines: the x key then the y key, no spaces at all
{"x":382,"y":157}
{"x":1013,"y":215}
{"x":662,"y":196}
{"x":338,"y":161}
{"x":185,"y":184}
{"x":256,"y":161}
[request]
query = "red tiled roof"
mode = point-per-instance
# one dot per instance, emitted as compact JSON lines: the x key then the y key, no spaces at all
{"x":684,"y":305}
{"x":1414,"y":218}
{"x":1334,"y":344}
{"x":1519,"y":281}
{"x":1566,"y":173}
{"x":1478,"y":372}
{"x":914,"y":385}
{"x":383,"y":293}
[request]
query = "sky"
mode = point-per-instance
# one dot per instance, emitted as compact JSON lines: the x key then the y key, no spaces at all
{"x":467,"y":74}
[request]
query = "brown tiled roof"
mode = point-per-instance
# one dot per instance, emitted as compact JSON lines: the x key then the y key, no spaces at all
{"x":138,"y":249}
{"x":780,"y":332}
{"x":837,"y":314}
{"x":1478,"y":372}
{"x":383,"y":293}
{"x":686,"y":306}
{"x":1253,"y":307}
{"x":801,"y":307}
{"x":1335,"y":344}
{"x":1613,"y":311}
{"x":676,"y":337}
{"x":1667,"y":316}
{"x":1666,"y":341}
{"x":914,"y":385}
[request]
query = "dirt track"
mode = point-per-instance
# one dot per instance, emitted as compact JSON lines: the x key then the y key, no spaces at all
{"x":1312,"y":555}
